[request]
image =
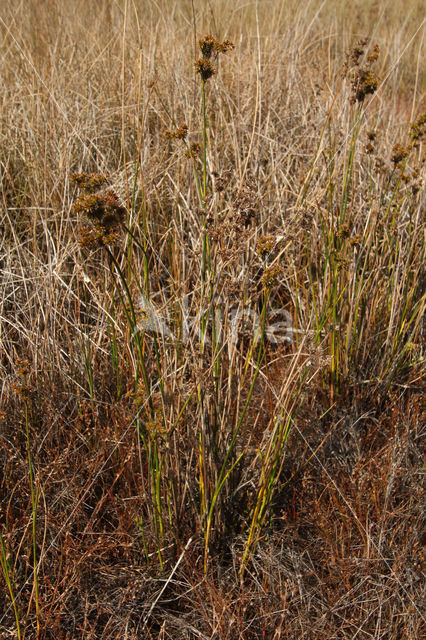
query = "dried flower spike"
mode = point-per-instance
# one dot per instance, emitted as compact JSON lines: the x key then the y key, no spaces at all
{"x":245,"y":203}
{"x":177,"y":134}
{"x":88,"y":182}
{"x":210,"y":48}
{"x":223,"y":47}
{"x":364,"y":80}
{"x":271,"y":276}
{"x":193,"y":150}
{"x":418,"y":130}
{"x":265,"y":245}
{"x":101,"y":208}
{"x":358,"y":51}
{"x":208,"y":45}
{"x":204,"y":67}
{"x":399,"y":153}
{"x":364,"y":83}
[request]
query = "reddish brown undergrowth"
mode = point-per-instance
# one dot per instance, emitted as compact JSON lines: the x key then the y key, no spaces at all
{"x":344,"y":541}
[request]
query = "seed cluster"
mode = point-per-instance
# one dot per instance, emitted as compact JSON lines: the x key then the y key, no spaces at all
{"x":177,"y":134}
{"x":364,"y":80}
{"x":210,"y":48}
{"x":103,"y":209}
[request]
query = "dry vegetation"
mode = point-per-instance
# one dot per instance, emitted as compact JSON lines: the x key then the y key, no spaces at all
{"x":176,"y":463}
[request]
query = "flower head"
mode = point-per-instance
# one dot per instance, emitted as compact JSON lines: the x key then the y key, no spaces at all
{"x":208,"y":45}
{"x":177,"y":134}
{"x":210,"y":48}
{"x":364,"y":80}
{"x":265,"y":246}
{"x":204,"y":67}
{"x":399,"y":153}
{"x":102,"y":208}
{"x":193,"y":150}
{"x":418,"y":130}
{"x":88,"y":182}
{"x":271,"y":276}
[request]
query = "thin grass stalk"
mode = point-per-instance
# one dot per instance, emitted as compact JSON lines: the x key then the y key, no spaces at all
{"x":87,"y":359}
{"x":6,"y":571}
{"x":269,"y":475}
{"x":34,"y":501}
{"x":132,"y":202}
{"x":158,"y":511}
{"x":347,"y":180}
{"x":204,"y":110}
{"x":360,"y":282}
{"x":224,"y":474}
{"x":338,"y":272}
{"x":272,"y":464}
{"x":154,"y":460}
{"x":155,"y":343}
{"x":131,"y":318}
{"x":140,"y":525}
{"x":305,"y":187}
{"x":202,"y":483}
{"x":115,"y":360}
{"x":207,"y":274}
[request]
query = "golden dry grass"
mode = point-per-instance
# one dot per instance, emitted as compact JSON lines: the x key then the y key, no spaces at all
{"x":219,"y":487}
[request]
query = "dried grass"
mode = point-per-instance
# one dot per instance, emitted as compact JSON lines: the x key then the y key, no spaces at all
{"x":242,"y":488}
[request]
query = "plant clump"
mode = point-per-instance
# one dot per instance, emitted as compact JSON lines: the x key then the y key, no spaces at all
{"x":211,"y":415}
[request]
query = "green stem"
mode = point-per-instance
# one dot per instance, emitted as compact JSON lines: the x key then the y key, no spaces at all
{"x":203,"y":93}
{"x":223,"y":474}
{"x":34,"y":500}
{"x":4,"y":563}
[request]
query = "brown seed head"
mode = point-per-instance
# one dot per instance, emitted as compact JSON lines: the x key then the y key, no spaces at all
{"x":223,"y":47}
{"x":271,"y":276}
{"x":418,"y":130}
{"x":364,"y":83}
{"x":399,"y":153}
{"x":245,"y":203}
{"x":193,"y":150}
{"x":101,"y":208}
{"x":204,"y":67}
{"x":88,"y":182}
{"x":265,"y":245}
{"x":358,"y":51}
{"x":210,"y":48}
{"x":177,"y":134}
{"x":364,"y":80}
{"x":208,"y":45}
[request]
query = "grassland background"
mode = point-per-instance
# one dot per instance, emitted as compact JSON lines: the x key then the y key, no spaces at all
{"x":93,"y":86}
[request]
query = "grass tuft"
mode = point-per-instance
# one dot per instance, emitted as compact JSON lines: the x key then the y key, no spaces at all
{"x":212,"y":320}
